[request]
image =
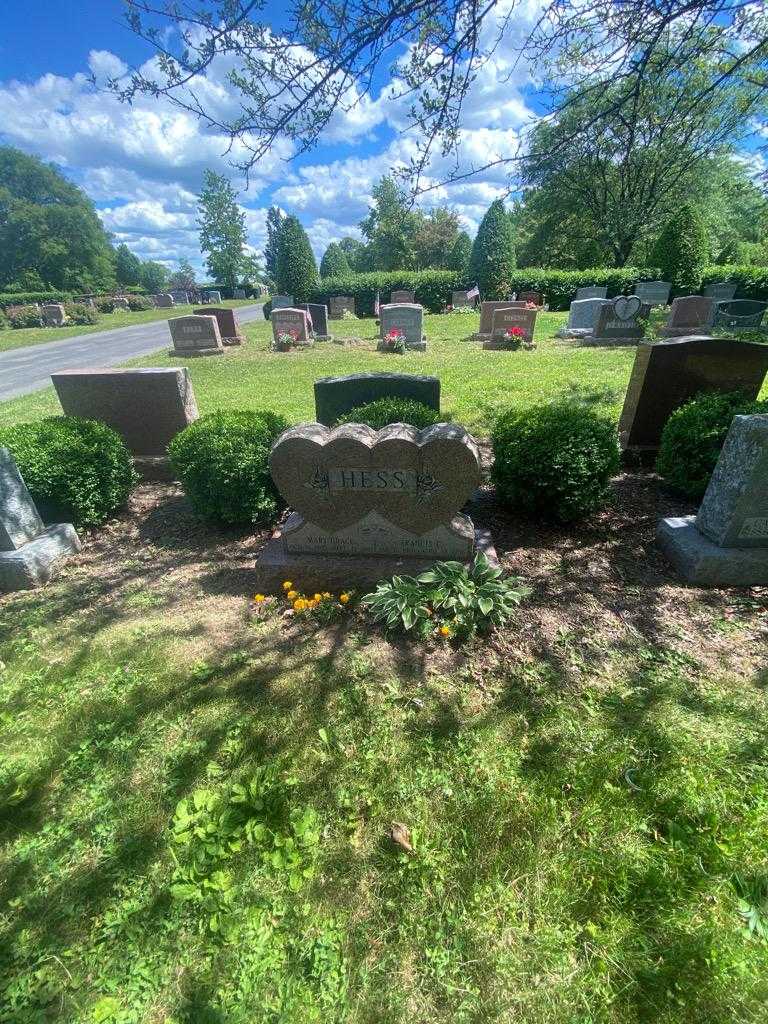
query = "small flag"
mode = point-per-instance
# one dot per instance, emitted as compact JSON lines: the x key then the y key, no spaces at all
{"x":473,"y":293}
{"x":377,"y":303}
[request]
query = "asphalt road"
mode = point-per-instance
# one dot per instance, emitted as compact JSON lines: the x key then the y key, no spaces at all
{"x":23,"y":370}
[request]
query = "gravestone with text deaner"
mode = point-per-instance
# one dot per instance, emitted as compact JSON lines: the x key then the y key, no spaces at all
{"x":653,"y":293}
{"x":513,"y":319}
{"x":229,"y":328}
{"x":341,"y":304}
{"x":690,"y":314}
{"x":408,"y":318}
{"x":195,"y":336}
{"x":318,"y":314}
{"x":336,"y":396}
{"x":28,"y":549}
{"x":726,"y":544}
{"x":668,"y":373}
{"x":620,"y":321}
{"x":582,"y":317}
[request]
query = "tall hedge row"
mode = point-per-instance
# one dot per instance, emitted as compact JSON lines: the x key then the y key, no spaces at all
{"x":432,"y":287}
{"x":29,"y":298}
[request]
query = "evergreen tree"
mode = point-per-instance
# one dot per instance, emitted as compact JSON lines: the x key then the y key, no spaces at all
{"x":493,"y":253}
{"x":681,"y":250}
{"x":296,"y":267}
{"x":127,"y":266}
{"x":334,"y":262}
{"x":275,"y":219}
{"x":222,"y":229}
{"x":461,"y":255}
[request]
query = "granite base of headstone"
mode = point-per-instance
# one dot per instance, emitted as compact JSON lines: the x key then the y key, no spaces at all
{"x":29,"y":551}
{"x":621,"y":321}
{"x":195,"y":336}
{"x":726,"y":544}
{"x":369,"y":505}
{"x":229,"y":328}
{"x":336,"y":396}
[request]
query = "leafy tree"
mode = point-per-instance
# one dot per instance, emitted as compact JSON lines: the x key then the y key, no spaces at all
{"x":389,"y":227}
{"x":153,"y":276}
{"x":275,"y":219}
{"x":222,"y":229}
{"x":434,"y":239}
{"x":334,"y":262}
{"x":184,"y":278}
{"x":461,"y":254}
{"x":296,"y":267}
{"x":681,"y":249}
{"x":127,"y":266}
{"x":355,"y":252}
{"x":49,"y":230}
{"x":493,"y":253}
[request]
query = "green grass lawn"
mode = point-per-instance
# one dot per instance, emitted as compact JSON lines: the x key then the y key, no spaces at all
{"x":120,"y":318}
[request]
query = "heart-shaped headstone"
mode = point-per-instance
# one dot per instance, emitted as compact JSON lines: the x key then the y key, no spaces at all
{"x":626,"y":307}
{"x":416,"y":479}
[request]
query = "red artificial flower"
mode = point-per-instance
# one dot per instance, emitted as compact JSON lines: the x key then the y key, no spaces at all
{"x":515,"y":332}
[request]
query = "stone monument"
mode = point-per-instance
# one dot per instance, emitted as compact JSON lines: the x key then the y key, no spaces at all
{"x":401,"y":297}
{"x":726,"y":544}
{"x":28,"y":549}
{"x":460,"y":299}
{"x":318,"y":314}
{"x":582,"y":318}
{"x":229,"y":328}
{"x":666,"y":374}
{"x":341,"y":304}
{"x":487,"y":309}
{"x":690,"y":314}
{"x":721,"y":291}
{"x":295,"y":322}
{"x":53,"y":314}
{"x":592,"y":292}
{"x":738,"y":315}
{"x":535,"y":297}
{"x":369,"y":504}
{"x":180,"y":296}
{"x":408,"y":318}
{"x":653,"y":293}
{"x":213,"y":296}
{"x":195,"y":336}
{"x":621,"y":321}
{"x":336,"y":396}
{"x":282,"y":302}
{"x":164,"y":301}
{"x":513,"y":319}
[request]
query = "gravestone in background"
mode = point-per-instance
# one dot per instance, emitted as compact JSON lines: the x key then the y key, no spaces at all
{"x":620,"y":321}
{"x":229,"y":328}
{"x":318,"y":313}
{"x":407,"y":318}
{"x":666,"y":374}
{"x":722,"y":291}
{"x":195,"y":336}
{"x":341,"y":304}
{"x":213,"y":296}
{"x":120,"y":302}
{"x":238,"y":293}
{"x":592,"y":292}
{"x":582,"y":318}
{"x":690,"y":314}
{"x":336,"y":396}
{"x":460,"y":298}
{"x":726,"y":544}
{"x":165,"y":301}
{"x":147,"y":407}
{"x":739,"y":315}
{"x":53,"y":314}
{"x":282,"y":302}
{"x":180,"y":296}
{"x":28,"y":550}
{"x":293,"y":320}
{"x":535,"y":297}
{"x":504,"y":320}
{"x":402,"y":296}
{"x":487,"y":309}
{"x":370,"y":504}
{"x":653,"y":293}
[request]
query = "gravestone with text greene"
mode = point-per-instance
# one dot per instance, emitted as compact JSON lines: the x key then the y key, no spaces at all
{"x":591,"y":292}
{"x":509,"y":319}
{"x":690,"y":314}
{"x":195,"y":336}
{"x":721,"y":291}
{"x":368,"y":504}
{"x":653,"y":293}
{"x":28,"y":549}
{"x":582,"y":318}
{"x":460,"y":298}
{"x":487,"y":309}
{"x":318,"y":314}
{"x":739,"y":315}
{"x":165,"y":301}
{"x":229,"y":328}
{"x":53,"y":314}
{"x":341,"y":304}
{"x":294,"y":321}
{"x":408,"y":318}
{"x":726,"y":544}
{"x":620,"y":321}
{"x":668,"y":373}
{"x":336,"y":396}
{"x":402,"y":296}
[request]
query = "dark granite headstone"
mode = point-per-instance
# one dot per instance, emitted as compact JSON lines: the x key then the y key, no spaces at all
{"x":592,"y":292}
{"x":487,"y":309}
{"x":229,"y":329}
{"x":319,"y":315}
{"x":721,"y":291}
{"x":335,"y":396}
{"x":620,"y":321}
{"x":739,"y":315}
{"x":653,"y":293}
{"x":341,"y":304}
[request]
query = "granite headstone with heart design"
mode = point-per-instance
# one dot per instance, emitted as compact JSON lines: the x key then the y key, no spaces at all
{"x":396,"y":491}
{"x":621,"y":322}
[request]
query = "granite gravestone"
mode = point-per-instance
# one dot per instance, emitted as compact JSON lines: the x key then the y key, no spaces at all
{"x":163,"y":301}
{"x":690,"y":314}
{"x":582,"y":318}
{"x":180,"y":296}
{"x":513,"y":319}
{"x":653,"y":293}
{"x":722,"y":291}
{"x":621,"y":321}
{"x":318,"y":314}
{"x":726,"y":544}
{"x":28,"y":550}
{"x":195,"y":336}
{"x":295,"y":322}
{"x":369,"y":504}
{"x":147,"y":407}
{"x":229,"y":329}
{"x":238,"y":293}
{"x":460,"y":298}
{"x":535,"y":297}
{"x":213,"y":297}
{"x":739,"y":315}
{"x":120,"y":302}
{"x":341,"y":304}
{"x":402,"y":296}
{"x":282,"y":302}
{"x":487,"y":309}
{"x":408,"y":318}
{"x":666,"y":374}
{"x":53,"y":314}
{"x":336,"y":396}
{"x":592,"y":292}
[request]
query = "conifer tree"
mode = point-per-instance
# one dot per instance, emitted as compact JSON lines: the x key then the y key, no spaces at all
{"x":493,"y":253}
{"x":334,"y":263}
{"x":296,"y":267}
{"x":681,"y":251}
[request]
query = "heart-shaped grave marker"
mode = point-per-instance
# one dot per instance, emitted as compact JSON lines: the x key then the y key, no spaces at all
{"x":626,"y":307}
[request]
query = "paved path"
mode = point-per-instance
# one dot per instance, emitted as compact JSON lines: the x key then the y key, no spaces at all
{"x":29,"y":369}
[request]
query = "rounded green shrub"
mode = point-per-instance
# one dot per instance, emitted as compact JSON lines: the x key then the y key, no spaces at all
{"x":554,"y":460}
{"x":79,"y":467}
{"x":693,"y":438}
{"x":24,"y":316}
{"x":139,"y":303}
{"x":384,"y":411}
{"x":222,"y":462}
{"x":80,"y":314}
{"x":105,"y":304}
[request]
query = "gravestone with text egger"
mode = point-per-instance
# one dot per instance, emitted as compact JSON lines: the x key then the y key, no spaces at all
{"x":195,"y":336}
{"x":408,"y":319}
{"x":621,"y":321}
{"x":506,"y":325}
{"x":229,"y":329}
{"x":368,"y":504}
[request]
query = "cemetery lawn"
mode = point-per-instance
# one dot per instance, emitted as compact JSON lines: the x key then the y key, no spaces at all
{"x":195,"y":798}
{"x":10,"y":338}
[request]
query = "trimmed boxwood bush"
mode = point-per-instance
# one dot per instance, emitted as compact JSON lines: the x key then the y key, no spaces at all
{"x":79,"y":313}
{"x":554,"y":460}
{"x":30,"y":298}
{"x":222,"y":462}
{"x":79,"y":467}
{"x":693,"y":438}
{"x":384,"y":411}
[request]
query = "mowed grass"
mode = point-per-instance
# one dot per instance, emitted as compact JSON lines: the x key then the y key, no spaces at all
{"x":10,"y":339}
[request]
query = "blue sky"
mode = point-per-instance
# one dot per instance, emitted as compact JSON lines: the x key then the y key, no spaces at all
{"x":143,"y":165}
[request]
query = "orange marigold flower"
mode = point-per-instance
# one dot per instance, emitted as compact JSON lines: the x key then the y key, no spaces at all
{"x":445,"y":631}
{"x":344,"y":598}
